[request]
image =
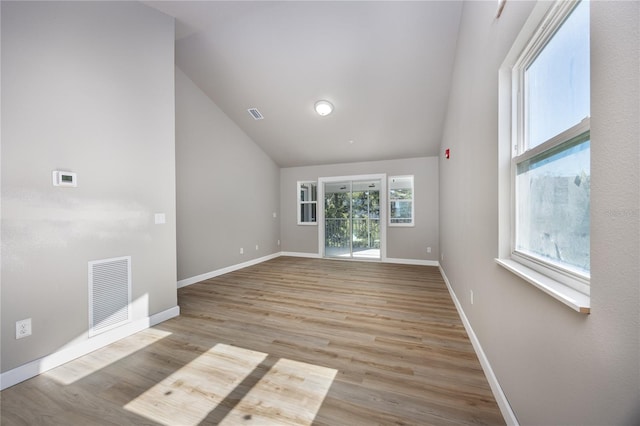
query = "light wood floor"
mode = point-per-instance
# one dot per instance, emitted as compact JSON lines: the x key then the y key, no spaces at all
{"x":288,"y":341}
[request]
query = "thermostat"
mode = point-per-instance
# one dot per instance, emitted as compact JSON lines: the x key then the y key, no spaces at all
{"x":61,"y":178}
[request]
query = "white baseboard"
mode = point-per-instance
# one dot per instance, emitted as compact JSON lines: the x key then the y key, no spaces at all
{"x":188,"y":281}
{"x":39,"y":366}
{"x":501,"y":398}
{"x":300,"y":254}
{"x":422,"y":262}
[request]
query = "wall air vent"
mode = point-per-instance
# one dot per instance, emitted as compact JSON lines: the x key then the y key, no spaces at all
{"x":255,"y":113}
{"x":109,"y":294}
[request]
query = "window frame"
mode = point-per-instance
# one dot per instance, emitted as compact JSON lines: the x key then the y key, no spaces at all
{"x":300,"y":202}
{"x":566,"y":276}
{"x":412,"y":200}
{"x":568,"y":286}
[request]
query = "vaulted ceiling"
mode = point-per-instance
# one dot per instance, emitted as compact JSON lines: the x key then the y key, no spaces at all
{"x":385,"y":66}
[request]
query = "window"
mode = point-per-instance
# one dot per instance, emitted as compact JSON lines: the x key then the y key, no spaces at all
{"x":307,"y":202}
{"x":549,"y":146}
{"x":401,"y":201}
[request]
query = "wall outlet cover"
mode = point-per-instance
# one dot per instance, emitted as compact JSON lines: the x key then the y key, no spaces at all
{"x":160,"y":218}
{"x":23,"y":328}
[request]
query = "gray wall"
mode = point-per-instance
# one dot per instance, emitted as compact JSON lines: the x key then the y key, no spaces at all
{"x":86,"y":87}
{"x":402,"y":242}
{"x":228,"y":188}
{"x":556,"y":366}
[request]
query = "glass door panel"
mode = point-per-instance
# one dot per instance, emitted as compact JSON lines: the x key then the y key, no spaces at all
{"x":365,"y":219}
{"x":337,"y":223}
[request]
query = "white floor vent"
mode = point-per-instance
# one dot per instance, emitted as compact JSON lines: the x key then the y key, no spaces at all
{"x":109,"y":294}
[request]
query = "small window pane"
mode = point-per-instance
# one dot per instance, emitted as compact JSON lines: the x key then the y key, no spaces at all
{"x":308,"y":191}
{"x":552,"y":205}
{"x":401,"y":193}
{"x":401,"y":211}
{"x":401,"y":187}
{"x":308,"y":212}
{"x":557,"y":81}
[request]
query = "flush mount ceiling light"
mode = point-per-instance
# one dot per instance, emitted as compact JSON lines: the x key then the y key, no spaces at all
{"x":323,"y":108}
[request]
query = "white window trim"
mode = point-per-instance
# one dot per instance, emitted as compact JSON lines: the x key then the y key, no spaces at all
{"x":413,"y":202}
{"x":299,"y":202}
{"x":569,"y":289}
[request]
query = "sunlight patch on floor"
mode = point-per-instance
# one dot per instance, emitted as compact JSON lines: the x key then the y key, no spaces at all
{"x":82,"y":367}
{"x":188,"y":395}
{"x":231,"y":385}
{"x":290,"y":393}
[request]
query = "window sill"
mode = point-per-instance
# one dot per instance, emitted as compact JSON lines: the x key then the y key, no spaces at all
{"x":574,"y":299}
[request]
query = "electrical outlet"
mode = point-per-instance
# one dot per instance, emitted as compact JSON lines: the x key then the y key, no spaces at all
{"x":241,"y":250}
{"x":471,"y":292}
{"x":160,"y":218}
{"x":278,"y":242}
{"x":23,"y":328}
{"x":441,"y":257}
{"x":428,"y":249}
{"x":257,"y":247}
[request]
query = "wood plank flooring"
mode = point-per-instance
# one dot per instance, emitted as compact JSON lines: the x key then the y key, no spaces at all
{"x":289,"y":341}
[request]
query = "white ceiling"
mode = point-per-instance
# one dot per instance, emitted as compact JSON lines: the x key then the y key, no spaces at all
{"x":386,"y":67}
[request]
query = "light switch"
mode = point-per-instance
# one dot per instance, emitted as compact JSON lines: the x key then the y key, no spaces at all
{"x":160,"y":218}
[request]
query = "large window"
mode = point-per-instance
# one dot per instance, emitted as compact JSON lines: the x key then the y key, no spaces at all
{"x":550,"y":141}
{"x":307,"y":202}
{"x":401,"y":201}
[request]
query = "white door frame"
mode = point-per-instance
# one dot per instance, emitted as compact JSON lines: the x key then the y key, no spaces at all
{"x":383,"y":209}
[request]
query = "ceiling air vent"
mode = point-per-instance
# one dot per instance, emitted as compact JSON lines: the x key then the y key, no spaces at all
{"x":255,"y":113}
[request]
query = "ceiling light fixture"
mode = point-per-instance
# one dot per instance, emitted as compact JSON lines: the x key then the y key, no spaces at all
{"x":323,"y":108}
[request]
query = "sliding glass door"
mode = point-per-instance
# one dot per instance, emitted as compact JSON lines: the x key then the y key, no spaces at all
{"x":352,"y":219}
